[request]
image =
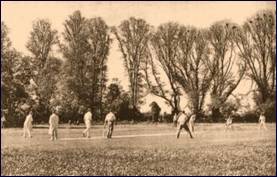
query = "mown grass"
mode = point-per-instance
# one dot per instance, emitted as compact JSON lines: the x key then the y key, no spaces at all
{"x":210,"y":153}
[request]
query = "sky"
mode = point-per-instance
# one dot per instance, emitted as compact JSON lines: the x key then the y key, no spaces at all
{"x":19,"y":16}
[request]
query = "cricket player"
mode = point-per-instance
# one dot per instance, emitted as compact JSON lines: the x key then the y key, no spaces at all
{"x":110,"y":121}
{"x":262,"y":121}
{"x":229,"y":122}
{"x":175,"y":118}
{"x":191,"y":122}
{"x":3,"y":120}
{"x":155,"y":111}
{"x":27,"y":127}
{"x":182,"y":123}
{"x":87,"y":120}
{"x":53,"y":126}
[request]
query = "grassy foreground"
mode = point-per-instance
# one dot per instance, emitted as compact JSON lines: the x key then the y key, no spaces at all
{"x":243,"y":151}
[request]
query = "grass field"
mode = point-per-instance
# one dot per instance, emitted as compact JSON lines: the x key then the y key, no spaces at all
{"x":142,"y":149}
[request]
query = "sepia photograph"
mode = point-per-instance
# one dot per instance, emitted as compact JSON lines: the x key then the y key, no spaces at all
{"x":138,"y":88}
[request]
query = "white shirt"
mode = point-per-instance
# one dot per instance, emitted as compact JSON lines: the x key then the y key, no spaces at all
{"x":110,"y":117}
{"x":229,"y":121}
{"x":175,"y":117}
{"x":3,"y":119}
{"x":88,"y":118}
{"x":54,"y":121}
{"x":262,"y":118}
{"x":182,"y":119}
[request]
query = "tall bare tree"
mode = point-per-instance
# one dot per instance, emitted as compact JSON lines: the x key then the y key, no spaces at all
{"x":256,"y":42}
{"x":190,"y":69}
{"x":133,"y":36}
{"x":163,"y":48}
{"x":226,"y":66}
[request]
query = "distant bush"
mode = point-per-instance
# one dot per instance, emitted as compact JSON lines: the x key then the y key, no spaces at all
{"x":249,"y":116}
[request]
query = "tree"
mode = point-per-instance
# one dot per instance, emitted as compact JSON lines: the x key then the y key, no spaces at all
{"x":190,"y":69}
{"x":99,"y":41}
{"x":256,"y":42}
{"x":13,"y":92}
{"x":86,"y":48}
{"x":133,"y":36}
{"x":6,"y":59}
{"x":13,"y":80}
{"x":164,"y":48}
{"x":48,"y":85}
{"x":226,"y":77}
{"x":117,"y":100}
{"x":228,"y":108}
{"x":113,"y":93}
{"x":66,"y":99}
{"x":5,"y":40}
{"x":6,"y":63}
{"x":113,"y":97}
{"x":75,"y":50}
{"x":41,"y":42}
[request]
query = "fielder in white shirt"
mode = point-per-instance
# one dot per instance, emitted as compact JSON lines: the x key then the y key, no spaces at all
{"x":262,"y":121}
{"x":110,"y":121}
{"x":175,"y":118}
{"x":87,"y":121}
{"x":3,"y":120}
{"x":229,"y":123}
{"x":53,"y":126}
{"x":27,"y":127}
{"x":182,"y":123}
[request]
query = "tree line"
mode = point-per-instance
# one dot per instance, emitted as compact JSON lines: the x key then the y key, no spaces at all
{"x":168,"y":61}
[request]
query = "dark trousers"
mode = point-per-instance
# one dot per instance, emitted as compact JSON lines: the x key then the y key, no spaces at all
{"x":155,"y":117}
{"x":110,"y":130}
